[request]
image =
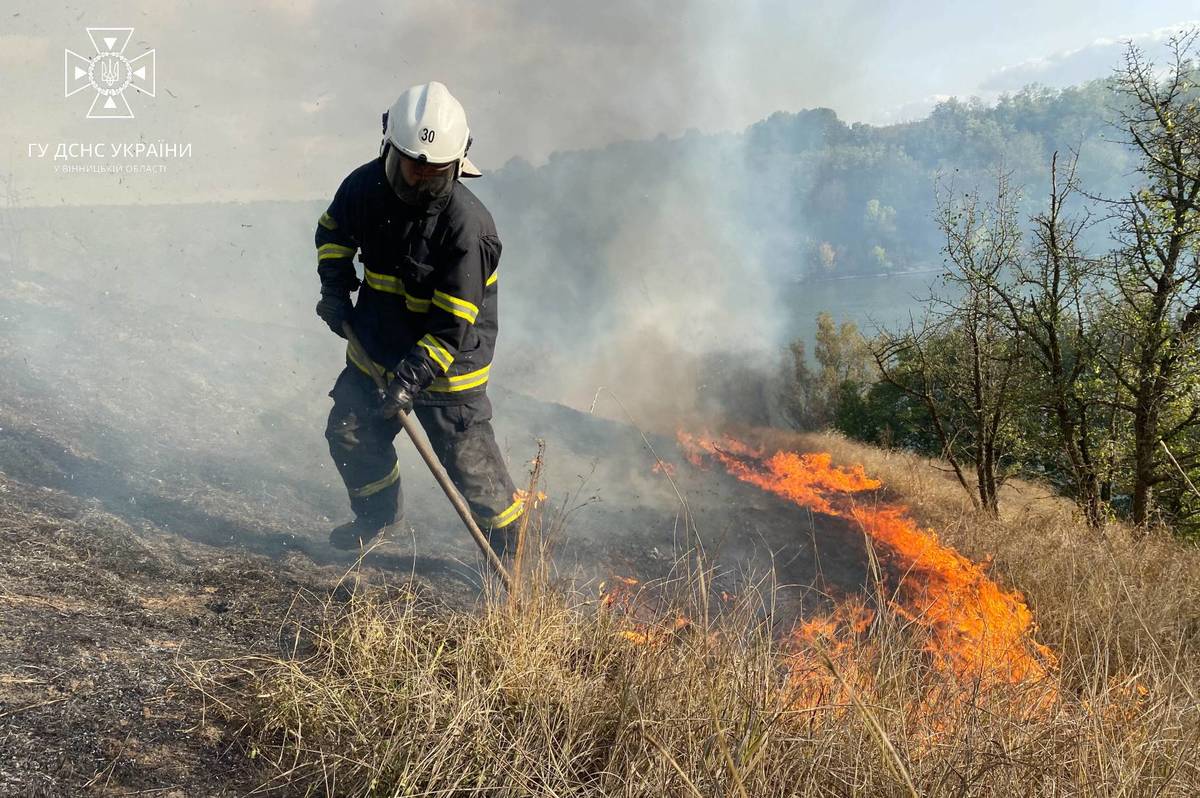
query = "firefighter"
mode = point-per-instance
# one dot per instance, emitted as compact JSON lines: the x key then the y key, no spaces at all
{"x":425,"y":313}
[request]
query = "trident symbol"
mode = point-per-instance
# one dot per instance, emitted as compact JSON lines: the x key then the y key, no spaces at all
{"x":109,"y":71}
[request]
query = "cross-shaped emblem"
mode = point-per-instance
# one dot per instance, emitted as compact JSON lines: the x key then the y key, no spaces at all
{"x":109,"y":72}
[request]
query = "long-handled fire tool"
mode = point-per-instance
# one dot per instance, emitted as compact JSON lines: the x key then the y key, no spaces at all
{"x":439,"y":473}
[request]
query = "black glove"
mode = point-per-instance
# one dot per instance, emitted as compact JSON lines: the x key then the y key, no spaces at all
{"x":412,"y":377}
{"x":397,"y":399}
{"x":335,"y":309}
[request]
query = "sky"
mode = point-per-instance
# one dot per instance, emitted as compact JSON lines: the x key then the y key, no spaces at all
{"x":280,"y":99}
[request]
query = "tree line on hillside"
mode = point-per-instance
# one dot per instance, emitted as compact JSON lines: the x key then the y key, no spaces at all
{"x":831,"y":198}
{"x":1043,"y":355}
{"x":798,"y":195}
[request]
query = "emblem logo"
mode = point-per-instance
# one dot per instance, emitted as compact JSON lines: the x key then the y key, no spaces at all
{"x":109,"y":72}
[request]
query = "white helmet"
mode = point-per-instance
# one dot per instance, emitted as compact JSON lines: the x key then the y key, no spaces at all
{"x":428,"y":124}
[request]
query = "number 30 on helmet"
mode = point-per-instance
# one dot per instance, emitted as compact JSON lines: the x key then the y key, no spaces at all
{"x":427,"y":123}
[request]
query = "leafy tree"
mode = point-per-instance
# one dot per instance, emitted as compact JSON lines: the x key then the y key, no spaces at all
{"x":1084,"y":370}
{"x":962,"y":362}
{"x":843,"y":359}
{"x":1048,"y":307}
{"x":885,"y":415}
{"x":1155,"y":270}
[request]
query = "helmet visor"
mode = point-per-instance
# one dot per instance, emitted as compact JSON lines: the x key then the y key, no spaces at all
{"x":418,"y":183}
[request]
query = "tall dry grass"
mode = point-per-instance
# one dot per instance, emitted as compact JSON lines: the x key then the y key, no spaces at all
{"x":1125,"y":595}
{"x":553,"y":693}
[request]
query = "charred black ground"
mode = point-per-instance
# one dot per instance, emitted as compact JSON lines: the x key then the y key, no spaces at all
{"x":165,"y":494}
{"x":111,"y":576}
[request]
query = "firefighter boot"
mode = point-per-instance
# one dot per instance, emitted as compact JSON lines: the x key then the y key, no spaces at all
{"x":360,"y":532}
{"x":503,"y":541}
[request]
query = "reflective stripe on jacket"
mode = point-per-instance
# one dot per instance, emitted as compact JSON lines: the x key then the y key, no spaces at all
{"x":429,"y":282}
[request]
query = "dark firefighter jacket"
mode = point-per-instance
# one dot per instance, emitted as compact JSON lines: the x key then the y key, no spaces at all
{"x":429,"y":279}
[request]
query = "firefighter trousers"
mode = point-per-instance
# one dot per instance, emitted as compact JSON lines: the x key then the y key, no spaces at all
{"x":362,"y":445}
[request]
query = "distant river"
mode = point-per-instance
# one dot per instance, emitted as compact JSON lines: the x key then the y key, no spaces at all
{"x":868,"y":301}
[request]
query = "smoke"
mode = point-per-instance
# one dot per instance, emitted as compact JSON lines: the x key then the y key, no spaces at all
{"x":164,"y":336}
{"x":667,"y":300}
{"x":281,"y":99}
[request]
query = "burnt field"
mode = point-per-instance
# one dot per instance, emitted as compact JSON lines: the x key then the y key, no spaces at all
{"x":173,"y":622}
{"x":111,"y":579}
{"x":166,"y":494}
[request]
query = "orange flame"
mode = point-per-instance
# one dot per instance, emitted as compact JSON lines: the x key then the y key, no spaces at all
{"x":976,"y":630}
{"x":663,"y":467}
{"x":619,"y":593}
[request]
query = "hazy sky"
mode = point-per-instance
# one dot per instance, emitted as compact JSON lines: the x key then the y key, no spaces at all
{"x":282,"y":99}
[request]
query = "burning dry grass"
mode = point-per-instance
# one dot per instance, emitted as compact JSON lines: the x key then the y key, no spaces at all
{"x":1122,"y":596}
{"x":558,"y":693}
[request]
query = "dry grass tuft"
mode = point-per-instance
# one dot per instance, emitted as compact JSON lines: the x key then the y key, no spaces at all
{"x":556,"y":693}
